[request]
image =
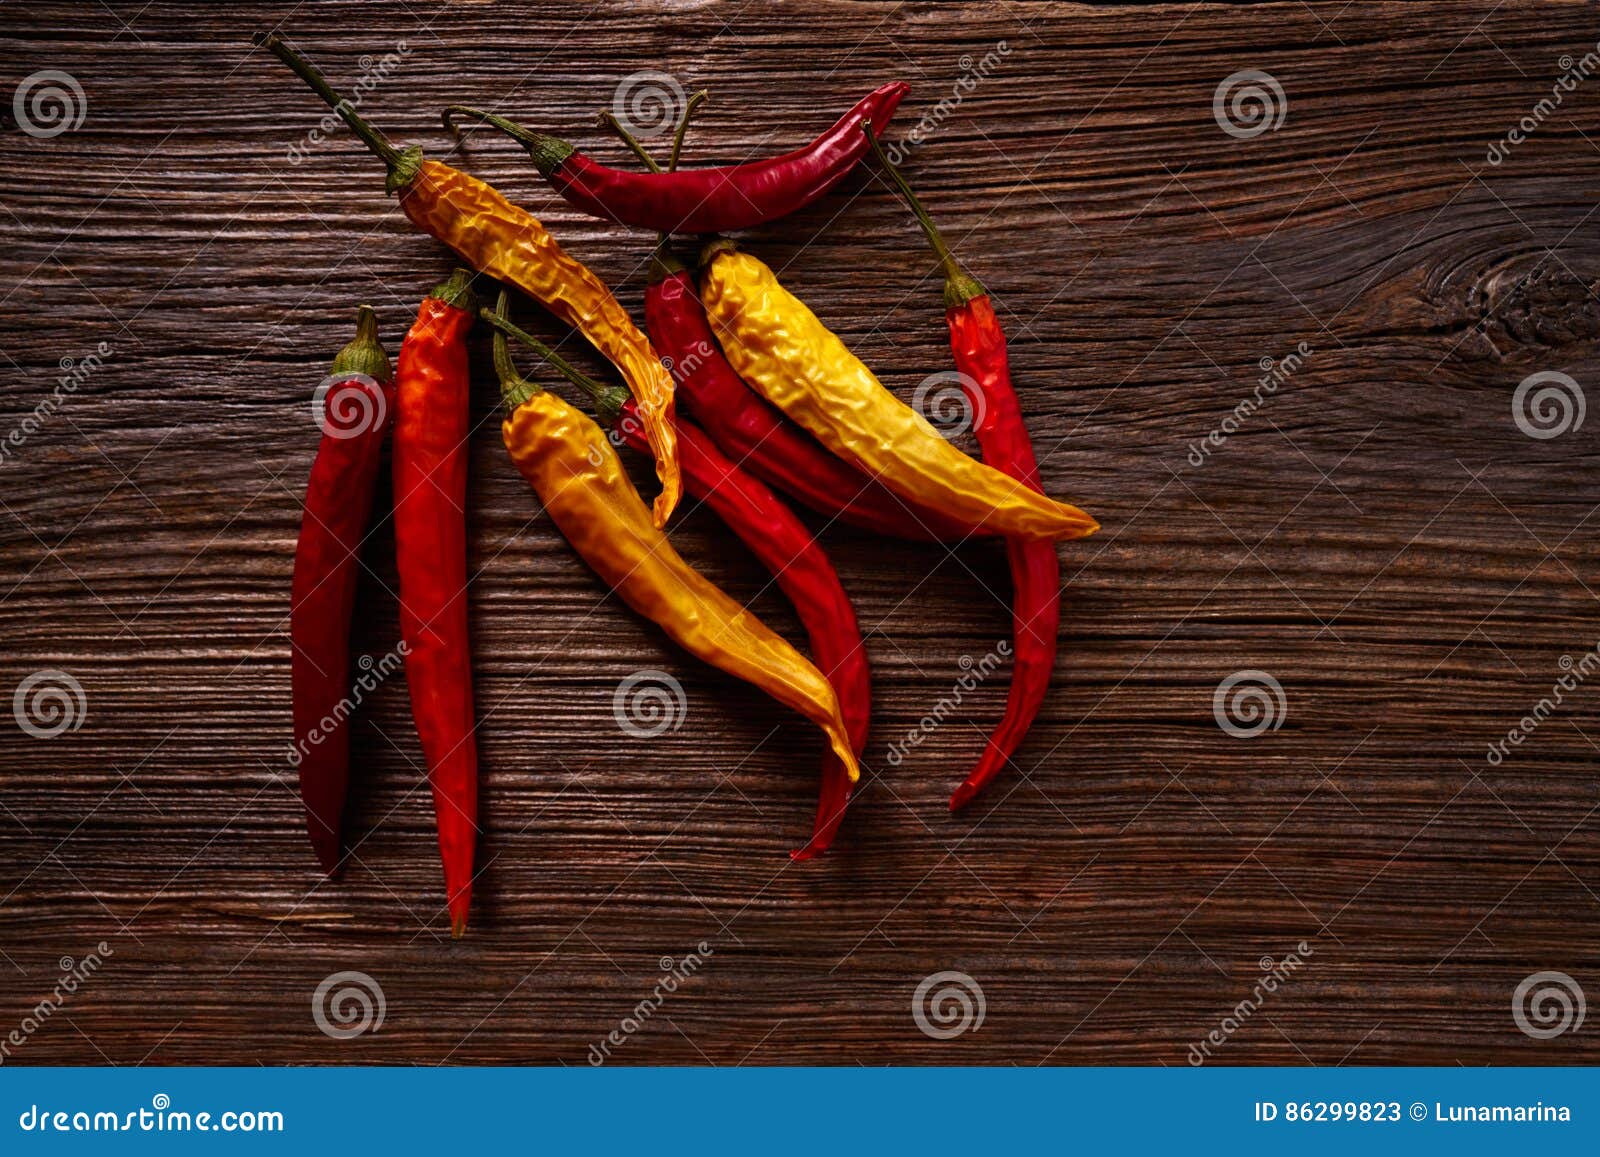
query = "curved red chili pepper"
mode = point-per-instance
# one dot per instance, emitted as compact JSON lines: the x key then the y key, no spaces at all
{"x":783,"y":545}
{"x":780,"y":542}
{"x":756,"y":434}
{"x":979,"y":348}
{"x":430,"y":491}
{"x":712,"y":200}
{"x":357,"y":405}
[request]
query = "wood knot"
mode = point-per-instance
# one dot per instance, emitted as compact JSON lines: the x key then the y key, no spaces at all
{"x":1537,"y":303}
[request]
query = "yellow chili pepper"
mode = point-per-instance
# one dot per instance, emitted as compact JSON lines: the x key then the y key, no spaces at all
{"x":509,"y":243}
{"x":572,"y":465}
{"x":799,"y":365}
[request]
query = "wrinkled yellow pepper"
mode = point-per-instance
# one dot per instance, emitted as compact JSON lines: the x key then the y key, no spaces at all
{"x":572,"y":465}
{"x":509,"y":243}
{"x":799,"y":365}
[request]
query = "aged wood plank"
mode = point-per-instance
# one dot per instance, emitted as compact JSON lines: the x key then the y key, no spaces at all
{"x":1380,"y":537}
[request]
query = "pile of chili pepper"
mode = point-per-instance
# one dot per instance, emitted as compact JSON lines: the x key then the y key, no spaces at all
{"x":771,"y":401}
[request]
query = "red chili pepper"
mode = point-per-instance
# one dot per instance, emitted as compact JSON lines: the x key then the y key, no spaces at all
{"x":703,"y":200}
{"x":756,"y":433}
{"x":979,"y":347}
{"x":430,"y":491}
{"x":357,"y":400}
{"x":780,"y":542}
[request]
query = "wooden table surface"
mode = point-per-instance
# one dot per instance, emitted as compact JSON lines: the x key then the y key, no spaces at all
{"x":1381,"y":537}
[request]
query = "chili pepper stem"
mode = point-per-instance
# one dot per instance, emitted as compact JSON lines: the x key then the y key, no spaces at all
{"x":364,"y":354}
{"x":548,"y":152}
{"x":960,"y":287}
{"x":457,"y":290}
{"x":404,"y":165}
{"x":514,"y":388}
{"x":608,"y":400}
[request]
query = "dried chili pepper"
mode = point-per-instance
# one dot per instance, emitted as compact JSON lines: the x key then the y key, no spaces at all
{"x":573,"y":468}
{"x":712,"y":200}
{"x":758,"y":436}
{"x":740,"y":420}
{"x":357,"y":401}
{"x":779,"y":347}
{"x":496,"y":237}
{"x":778,"y":539}
{"x":430,"y":538}
{"x":978,"y":345}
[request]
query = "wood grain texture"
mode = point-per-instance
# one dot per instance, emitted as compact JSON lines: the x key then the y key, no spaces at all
{"x":1380,"y":537}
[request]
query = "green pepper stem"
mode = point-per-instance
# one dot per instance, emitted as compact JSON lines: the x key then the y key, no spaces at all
{"x":514,"y":388}
{"x":403,"y":165}
{"x":548,"y":152}
{"x":695,"y":101}
{"x":608,"y":400}
{"x":607,"y":117}
{"x":364,"y":354}
{"x":457,"y":291}
{"x":960,"y":287}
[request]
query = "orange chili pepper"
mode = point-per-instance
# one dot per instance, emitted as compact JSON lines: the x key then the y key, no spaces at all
{"x":510,"y":244}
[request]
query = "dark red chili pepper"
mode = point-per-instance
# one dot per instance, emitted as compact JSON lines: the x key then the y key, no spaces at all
{"x":357,"y":401}
{"x":780,"y":542}
{"x":430,"y":533}
{"x":755,"y":432}
{"x":979,"y":347}
{"x":712,"y":200}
